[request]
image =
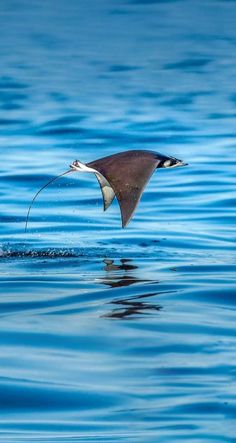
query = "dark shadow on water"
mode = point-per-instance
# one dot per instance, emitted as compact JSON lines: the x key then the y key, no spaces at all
{"x":124,"y":265}
{"x":116,"y":279}
{"x":131,"y":306}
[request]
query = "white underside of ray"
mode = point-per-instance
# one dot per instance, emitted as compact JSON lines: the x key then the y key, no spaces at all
{"x":107,"y":191}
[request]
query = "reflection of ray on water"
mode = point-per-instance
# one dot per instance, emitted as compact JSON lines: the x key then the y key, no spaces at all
{"x":124,"y":264}
{"x":116,"y":279}
{"x":131,"y":306}
{"x":116,"y":282}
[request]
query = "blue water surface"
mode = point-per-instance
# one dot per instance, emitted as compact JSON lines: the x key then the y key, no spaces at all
{"x":107,"y":334}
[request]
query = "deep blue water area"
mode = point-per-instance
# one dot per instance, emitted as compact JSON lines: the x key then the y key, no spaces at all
{"x":111,"y":334}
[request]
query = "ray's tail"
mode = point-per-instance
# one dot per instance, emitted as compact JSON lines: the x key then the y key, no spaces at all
{"x":41,"y":189}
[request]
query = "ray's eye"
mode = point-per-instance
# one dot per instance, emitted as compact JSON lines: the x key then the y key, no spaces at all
{"x":167,"y":163}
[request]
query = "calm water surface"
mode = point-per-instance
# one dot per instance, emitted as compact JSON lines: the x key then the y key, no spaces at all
{"x":106,"y":334}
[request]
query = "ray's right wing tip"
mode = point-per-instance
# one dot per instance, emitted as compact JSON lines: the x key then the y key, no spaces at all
{"x":124,"y":220}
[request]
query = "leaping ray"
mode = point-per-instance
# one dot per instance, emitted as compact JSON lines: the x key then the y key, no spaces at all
{"x":128,"y":173}
{"x":123,"y":175}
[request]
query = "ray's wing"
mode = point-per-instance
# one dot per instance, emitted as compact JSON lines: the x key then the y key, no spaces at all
{"x":127,"y":173}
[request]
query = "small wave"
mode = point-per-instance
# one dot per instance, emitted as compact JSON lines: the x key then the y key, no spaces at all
{"x":22,"y":251}
{"x":40,"y":253}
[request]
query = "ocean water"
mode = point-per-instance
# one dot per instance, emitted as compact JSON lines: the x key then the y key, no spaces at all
{"x":110,"y":334}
